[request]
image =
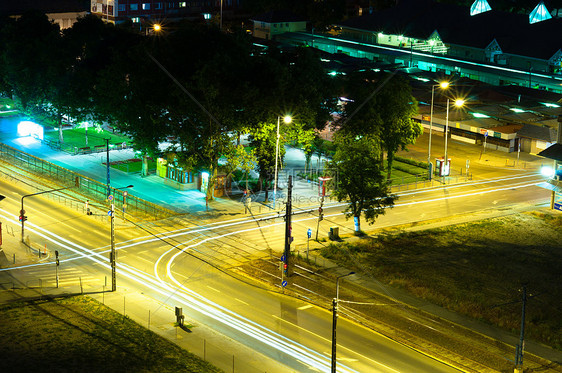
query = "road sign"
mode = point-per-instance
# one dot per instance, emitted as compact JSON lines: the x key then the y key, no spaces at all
{"x":125,"y":194}
{"x":110,"y":197}
{"x":284,"y":283}
{"x":109,"y":213}
{"x":309,"y":232}
{"x":282,"y":258}
{"x":486,"y":134}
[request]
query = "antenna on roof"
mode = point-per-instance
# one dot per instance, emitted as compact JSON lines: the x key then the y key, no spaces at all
{"x":479,"y":6}
{"x":539,"y":14}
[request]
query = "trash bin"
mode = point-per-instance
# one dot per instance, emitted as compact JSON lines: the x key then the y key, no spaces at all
{"x":334,"y":233}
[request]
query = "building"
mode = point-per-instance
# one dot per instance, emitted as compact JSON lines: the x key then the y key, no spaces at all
{"x":269,"y":25}
{"x":140,"y":11}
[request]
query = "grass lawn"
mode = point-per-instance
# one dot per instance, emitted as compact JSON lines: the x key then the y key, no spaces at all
{"x":132,"y":165}
{"x":79,"y":334}
{"x":471,"y":268}
{"x":6,"y":107}
{"x":76,"y":137}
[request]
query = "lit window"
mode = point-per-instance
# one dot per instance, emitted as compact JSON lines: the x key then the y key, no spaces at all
{"x":121,"y":7}
{"x":171,"y":5}
{"x":134,"y":6}
{"x":480,"y":115}
{"x":157,"y":5}
{"x":135,"y":20}
{"x":183,"y":4}
{"x":517,"y":110}
{"x":145,"y":6}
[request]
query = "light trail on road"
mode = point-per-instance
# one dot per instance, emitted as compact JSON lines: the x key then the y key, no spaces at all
{"x":196,"y":302}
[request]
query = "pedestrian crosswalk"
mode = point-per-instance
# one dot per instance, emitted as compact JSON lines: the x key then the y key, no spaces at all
{"x":46,"y":276}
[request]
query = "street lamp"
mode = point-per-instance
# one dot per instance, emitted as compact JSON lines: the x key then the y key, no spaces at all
{"x":287,"y":119}
{"x":458,"y":103}
{"x":443,"y":85}
{"x":112,"y":253}
{"x":335,"y":319}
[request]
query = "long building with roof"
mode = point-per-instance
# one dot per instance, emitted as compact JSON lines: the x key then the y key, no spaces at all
{"x":492,"y":46}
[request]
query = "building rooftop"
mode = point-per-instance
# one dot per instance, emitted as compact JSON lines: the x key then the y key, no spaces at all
{"x":454,"y":24}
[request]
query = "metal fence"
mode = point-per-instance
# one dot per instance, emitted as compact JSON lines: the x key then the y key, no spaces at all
{"x":91,"y":189}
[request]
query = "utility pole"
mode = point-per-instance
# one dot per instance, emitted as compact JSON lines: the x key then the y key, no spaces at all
{"x":335,"y":320}
{"x":107,"y":164}
{"x":112,"y":253}
{"x":521,"y":346}
{"x":288,"y":228}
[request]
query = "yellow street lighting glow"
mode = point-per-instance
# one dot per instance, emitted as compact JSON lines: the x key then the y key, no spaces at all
{"x":287,"y":119}
{"x":459,"y":102}
{"x":157,"y":27}
{"x":444,"y":85}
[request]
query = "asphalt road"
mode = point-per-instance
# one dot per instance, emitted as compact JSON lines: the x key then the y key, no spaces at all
{"x":287,"y":334}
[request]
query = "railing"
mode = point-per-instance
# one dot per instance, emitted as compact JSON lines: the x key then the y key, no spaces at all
{"x":90,"y":189}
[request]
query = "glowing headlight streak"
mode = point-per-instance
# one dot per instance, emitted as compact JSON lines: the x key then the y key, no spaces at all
{"x":243,"y":324}
{"x":199,"y":303}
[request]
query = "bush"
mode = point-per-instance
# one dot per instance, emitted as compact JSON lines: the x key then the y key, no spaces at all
{"x":412,"y":162}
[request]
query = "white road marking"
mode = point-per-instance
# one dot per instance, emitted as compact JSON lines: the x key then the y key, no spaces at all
{"x":241,"y":301}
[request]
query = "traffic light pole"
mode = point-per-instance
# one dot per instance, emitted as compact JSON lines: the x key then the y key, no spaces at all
{"x":288,"y":236}
{"x":320,"y":215}
{"x":23,"y":218}
{"x":112,"y":253}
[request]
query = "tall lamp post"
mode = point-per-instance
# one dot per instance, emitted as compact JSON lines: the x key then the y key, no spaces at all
{"x":287,"y":119}
{"x":443,"y":85}
{"x":335,"y":319}
{"x":458,"y":103}
{"x":112,"y":253}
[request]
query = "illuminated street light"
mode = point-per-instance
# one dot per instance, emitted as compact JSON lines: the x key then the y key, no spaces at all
{"x":335,"y":319}
{"x":458,"y":103}
{"x":157,"y":27}
{"x":443,"y":85}
{"x":286,"y":119}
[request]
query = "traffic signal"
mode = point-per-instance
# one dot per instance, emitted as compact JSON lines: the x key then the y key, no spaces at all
{"x":320,"y":214}
{"x":285,"y":267}
{"x":23,"y":218}
{"x":57,"y":257}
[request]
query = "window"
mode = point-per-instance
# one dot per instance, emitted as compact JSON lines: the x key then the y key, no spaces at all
{"x":145,"y":6}
{"x":135,"y":20}
{"x":121,"y":7}
{"x":171,"y":5}
{"x":157,"y":5}
{"x":134,"y":6}
{"x":183,"y":4}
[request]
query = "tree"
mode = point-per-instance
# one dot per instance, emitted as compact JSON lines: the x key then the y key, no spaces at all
{"x":382,"y":106}
{"x":30,"y":57}
{"x":357,"y":177}
{"x":130,"y":95}
{"x":263,"y":140}
{"x":239,"y":158}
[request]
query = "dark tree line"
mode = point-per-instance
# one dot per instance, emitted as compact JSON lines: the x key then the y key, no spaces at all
{"x":190,"y":83}
{"x":199,"y":89}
